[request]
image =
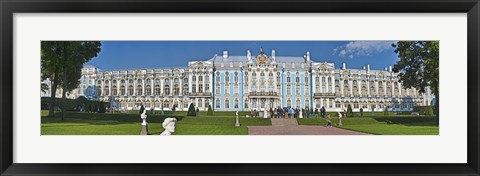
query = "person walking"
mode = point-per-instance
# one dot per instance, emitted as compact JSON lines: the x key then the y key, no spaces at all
{"x":316,"y":112}
{"x":361,"y":112}
{"x":323,"y":112}
{"x":329,"y":121}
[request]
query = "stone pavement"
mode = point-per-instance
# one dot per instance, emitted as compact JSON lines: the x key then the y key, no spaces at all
{"x":290,"y":127}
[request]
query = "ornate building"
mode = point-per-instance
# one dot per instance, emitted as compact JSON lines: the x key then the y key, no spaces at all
{"x":231,"y":83}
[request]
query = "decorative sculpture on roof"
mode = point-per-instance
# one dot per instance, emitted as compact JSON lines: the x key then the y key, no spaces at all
{"x":262,"y":58}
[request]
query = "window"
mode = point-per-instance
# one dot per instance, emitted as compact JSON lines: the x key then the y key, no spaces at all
{"x":139,"y":90}
{"x":207,"y":88}
{"x":148,"y":90}
{"x":288,"y":79}
{"x":246,"y":104}
{"x":217,"y":103}
{"x":194,"y":88}
{"x":200,"y":88}
{"x":227,"y":104}
{"x":122,"y":90}
{"x":166,"y":104}
{"x":114,"y":90}
{"x":130,"y":90}
{"x":166,"y":90}
{"x":194,"y":78}
{"x":157,"y":90}
{"x":200,"y":78}
{"x":236,"y":103}
{"x":176,"y":89}
{"x":206,"y":103}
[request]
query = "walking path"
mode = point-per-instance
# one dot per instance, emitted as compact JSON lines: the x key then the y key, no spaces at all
{"x":290,"y":127}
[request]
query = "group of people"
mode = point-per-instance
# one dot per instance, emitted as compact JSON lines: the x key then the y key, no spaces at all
{"x":288,"y":112}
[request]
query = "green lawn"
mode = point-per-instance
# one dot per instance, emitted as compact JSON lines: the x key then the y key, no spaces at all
{"x":395,"y":125}
{"x":222,"y":123}
{"x":129,"y":124}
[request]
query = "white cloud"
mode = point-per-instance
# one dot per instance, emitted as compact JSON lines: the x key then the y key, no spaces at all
{"x":362,"y":48}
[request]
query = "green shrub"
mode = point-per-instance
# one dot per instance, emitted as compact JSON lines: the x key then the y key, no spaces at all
{"x":350,"y":111}
{"x":191,"y":110}
{"x":102,"y":108}
{"x":429,"y":111}
{"x":210,"y":111}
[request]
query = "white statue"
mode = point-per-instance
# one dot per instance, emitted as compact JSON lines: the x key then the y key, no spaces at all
{"x":144,"y":118}
{"x":340,"y":119}
{"x":237,"y":122}
{"x":169,"y":125}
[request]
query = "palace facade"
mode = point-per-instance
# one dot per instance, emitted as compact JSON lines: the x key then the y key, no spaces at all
{"x":243,"y":83}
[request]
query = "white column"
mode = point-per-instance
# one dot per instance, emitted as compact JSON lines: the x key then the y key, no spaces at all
{"x":321,"y":83}
{"x":126,"y":87}
{"x":203,"y":83}
{"x":171,"y":87}
{"x":190,"y":82}
{"x":359,"y":85}
{"x":152,"y":89}
{"x":118,"y":87}
{"x":341,"y":87}
{"x":161,"y":88}
{"x":326,"y":84}
{"x":110,"y":87}
{"x":314,"y":90}
{"x":143,"y":87}
{"x":393,"y":89}
{"x":135,"y":87}
{"x":368,"y":87}
{"x":376,"y":88}
{"x":180,"y":87}
{"x":350,"y":82}
{"x":400,"y":89}
{"x":333,"y":83}
{"x":385,"y":88}
{"x":210,"y":83}
{"x":103,"y":84}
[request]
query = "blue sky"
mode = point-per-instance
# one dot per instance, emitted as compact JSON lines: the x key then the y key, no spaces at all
{"x":116,"y":55}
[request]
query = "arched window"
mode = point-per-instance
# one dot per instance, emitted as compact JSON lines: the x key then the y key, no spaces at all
{"x":185,"y":89}
{"x":114,"y":90}
{"x":176,"y":89}
{"x":227,"y":104}
{"x":157,"y":90}
{"x":166,"y":90}
{"x":148,"y":90}
{"x":139,"y":90}
{"x":122,"y":90}
{"x":130,"y":90}
{"x":236,"y":103}
{"x":106,"y":90}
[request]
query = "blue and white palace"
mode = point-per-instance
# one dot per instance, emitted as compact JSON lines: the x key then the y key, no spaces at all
{"x":243,"y":83}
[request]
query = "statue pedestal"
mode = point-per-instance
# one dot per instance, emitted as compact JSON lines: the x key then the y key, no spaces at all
{"x":144,"y":130}
{"x":300,"y":115}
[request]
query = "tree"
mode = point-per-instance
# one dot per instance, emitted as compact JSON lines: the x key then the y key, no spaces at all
{"x":418,"y":66}
{"x":210,"y":111}
{"x":349,"y":111}
{"x":191,"y":110}
{"x":62,"y":62}
{"x":101,"y":108}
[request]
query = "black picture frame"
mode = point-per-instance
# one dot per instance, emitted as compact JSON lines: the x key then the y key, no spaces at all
{"x":9,"y":7}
